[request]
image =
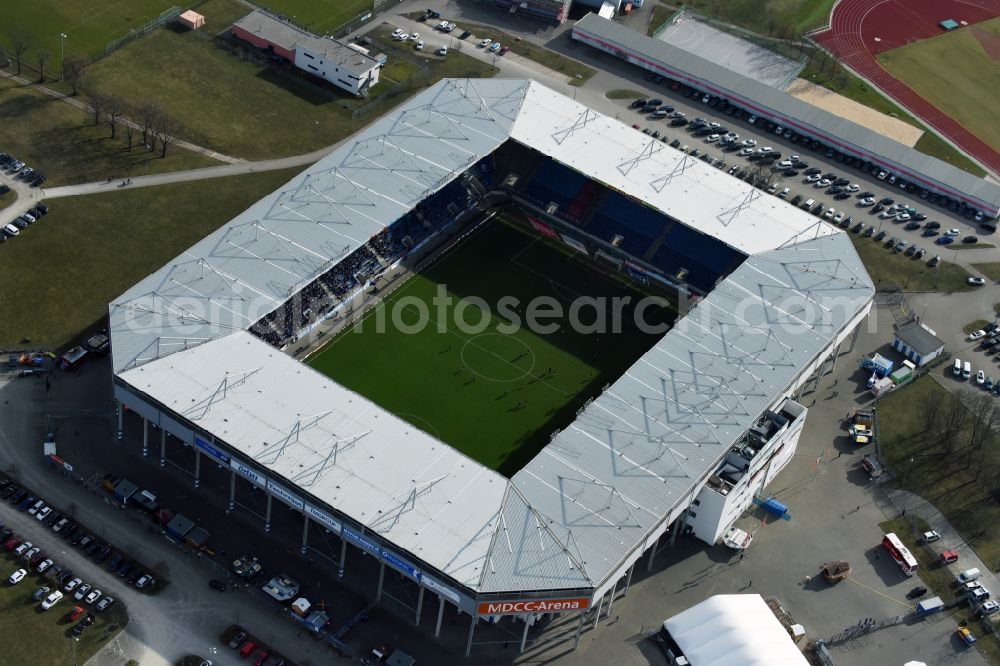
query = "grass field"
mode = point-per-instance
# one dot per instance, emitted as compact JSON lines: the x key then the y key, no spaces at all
{"x":319,"y":16}
{"x":494,"y":394}
{"x":241,"y":109}
{"x":7,"y":198}
{"x":942,"y":468}
{"x":88,"y":26}
{"x":62,"y":142}
{"x":63,"y":270}
{"x":33,"y":636}
{"x":954,"y":73}
{"x":990,"y":270}
{"x":768,"y":17}
{"x":890,"y":270}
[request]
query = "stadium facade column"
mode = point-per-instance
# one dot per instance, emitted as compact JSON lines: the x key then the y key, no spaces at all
{"x":381,"y":578}
{"x":836,"y":353}
{"x":197,"y":467}
{"x":652,"y":554}
{"x":145,"y":437}
{"x":121,"y":413}
{"x":524,"y":634}
{"x":232,"y":490}
{"x":628,"y":579}
{"x":163,"y":448}
{"x":305,"y":534}
{"x":420,"y":605}
{"x":854,"y":337}
{"x":579,"y":630}
{"x":600,"y":605}
{"x":472,"y":632}
{"x":267,"y":515}
{"x":437,"y":627}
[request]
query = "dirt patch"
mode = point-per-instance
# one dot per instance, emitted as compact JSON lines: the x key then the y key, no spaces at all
{"x":989,"y":42}
{"x":847,"y":108}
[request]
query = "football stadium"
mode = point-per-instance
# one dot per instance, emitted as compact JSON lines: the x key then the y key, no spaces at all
{"x":498,"y":342}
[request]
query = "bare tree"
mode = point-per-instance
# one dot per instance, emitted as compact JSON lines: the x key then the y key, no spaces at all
{"x":149,"y":114}
{"x":930,"y":410}
{"x":114,"y":109}
{"x":166,"y":129}
{"x":130,"y":132}
{"x":95,"y":105}
{"x":73,"y":70}
{"x":19,"y":45}
{"x":43,"y":59}
{"x":954,"y":417}
{"x":760,"y":176}
{"x":984,"y":418}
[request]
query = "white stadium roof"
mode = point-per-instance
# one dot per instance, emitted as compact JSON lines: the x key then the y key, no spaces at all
{"x":608,"y":481}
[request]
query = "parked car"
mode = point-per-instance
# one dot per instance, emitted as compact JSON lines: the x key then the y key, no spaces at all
{"x":51,"y":600}
{"x":17,"y":576}
{"x":104,"y":604}
{"x":237,"y":640}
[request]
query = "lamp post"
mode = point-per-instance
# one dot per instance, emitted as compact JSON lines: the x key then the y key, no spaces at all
{"x":147,"y":159}
{"x":62,"y":52}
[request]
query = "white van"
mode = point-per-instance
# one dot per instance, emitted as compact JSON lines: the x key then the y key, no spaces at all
{"x":957,"y":368}
{"x":968,"y":576}
{"x":966,"y":370}
{"x":809,"y":204}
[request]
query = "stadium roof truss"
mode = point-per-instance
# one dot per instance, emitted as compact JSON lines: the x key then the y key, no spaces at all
{"x":607,"y":482}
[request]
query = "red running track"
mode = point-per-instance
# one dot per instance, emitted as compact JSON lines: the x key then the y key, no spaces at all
{"x":861,"y":29}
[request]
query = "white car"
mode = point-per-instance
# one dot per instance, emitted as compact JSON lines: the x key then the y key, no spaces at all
{"x":749,"y":143}
{"x":17,"y":576}
{"x":31,"y":553}
{"x":23,"y":548}
{"x":867,"y":201}
{"x":82,"y":591}
{"x":752,"y":119}
{"x":43,"y":513}
{"x":975,"y":335}
{"x":839,"y":217}
{"x":952,"y":232}
{"x":829,"y":213}
{"x":442,"y":25}
{"x":396,"y":33}
{"x":419,"y":45}
{"x":713,"y":125}
{"x":746,"y":151}
{"x":779,"y":129}
{"x":485,"y":42}
{"x":11,"y":230}
{"x":93,"y":596}
{"x":980,"y":377}
{"x":35,"y":507}
{"x":72,"y":584}
{"x":903,"y":217}
{"x":976,"y":281}
{"x":932,"y":536}
{"x":43,"y":565}
{"x":825,"y":182}
{"x":989,"y":607}
{"x":815,"y":178}
{"x":784,"y":193}
{"x":443,"y":51}
{"x":772,"y":188}
{"x":52,"y":600}
{"x":712,"y":138}
{"x":852,"y":187}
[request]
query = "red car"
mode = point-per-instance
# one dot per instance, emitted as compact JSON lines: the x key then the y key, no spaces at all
{"x":247,"y":648}
{"x":503,"y":50}
{"x":260,"y":658}
{"x":74,"y":614}
{"x":949,"y":556}
{"x":12,"y":543}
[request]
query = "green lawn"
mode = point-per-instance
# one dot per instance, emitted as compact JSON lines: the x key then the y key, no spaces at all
{"x":890,"y":270}
{"x":33,"y":636}
{"x":577,"y":71}
{"x":88,"y":26}
{"x":7,"y":198}
{"x":990,"y":270}
{"x":62,"y":142}
{"x":938,"y":464}
{"x":623,"y":93}
{"x":659,"y":15}
{"x":319,"y":16}
{"x":768,"y":17}
{"x":523,"y":383}
{"x":952,"y":71}
{"x":975,"y":325}
{"x":238,"y":108}
{"x":63,"y":270}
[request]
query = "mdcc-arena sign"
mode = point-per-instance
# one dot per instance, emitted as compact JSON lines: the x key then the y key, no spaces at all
{"x":533,"y":606}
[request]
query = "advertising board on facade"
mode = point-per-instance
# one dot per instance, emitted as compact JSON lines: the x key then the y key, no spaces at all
{"x":533,"y":606}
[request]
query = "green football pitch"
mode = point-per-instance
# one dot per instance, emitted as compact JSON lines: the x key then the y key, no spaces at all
{"x":462,"y":372}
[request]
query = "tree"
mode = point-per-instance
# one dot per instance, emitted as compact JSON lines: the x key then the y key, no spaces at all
{"x":760,"y":176}
{"x":130,"y":132}
{"x":930,"y":411}
{"x":73,"y":70}
{"x":19,"y":45}
{"x":114,"y":109}
{"x":166,"y":128}
{"x":43,"y":59}
{"x":149,"y":114}
{"x":984,"y":418}
{"x":95,"y":104}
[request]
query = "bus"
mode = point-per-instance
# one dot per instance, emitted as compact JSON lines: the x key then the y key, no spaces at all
{"x":898,"y":552}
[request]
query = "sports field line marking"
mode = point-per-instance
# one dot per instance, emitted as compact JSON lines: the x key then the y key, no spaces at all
{"x":467,"y":341}
{"x":524,"y":373}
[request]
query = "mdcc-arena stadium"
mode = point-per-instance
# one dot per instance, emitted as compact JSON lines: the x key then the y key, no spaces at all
{"x":685,"y":438}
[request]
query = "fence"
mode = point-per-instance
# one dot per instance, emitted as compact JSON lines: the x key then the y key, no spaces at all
{"x":142,"y":30}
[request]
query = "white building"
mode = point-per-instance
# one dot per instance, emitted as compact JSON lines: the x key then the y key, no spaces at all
{"x":337,"y":63}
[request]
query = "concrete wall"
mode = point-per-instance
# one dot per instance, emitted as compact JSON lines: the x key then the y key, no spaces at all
{"x":262,"y":43}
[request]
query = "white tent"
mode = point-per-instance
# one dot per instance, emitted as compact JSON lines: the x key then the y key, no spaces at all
{"x":733,"y":629}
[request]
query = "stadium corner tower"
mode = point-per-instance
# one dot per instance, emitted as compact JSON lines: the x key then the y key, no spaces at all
{"x":704,"y":420}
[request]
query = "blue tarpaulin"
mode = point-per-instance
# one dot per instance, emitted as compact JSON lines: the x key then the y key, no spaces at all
{"x":772,"y":505}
